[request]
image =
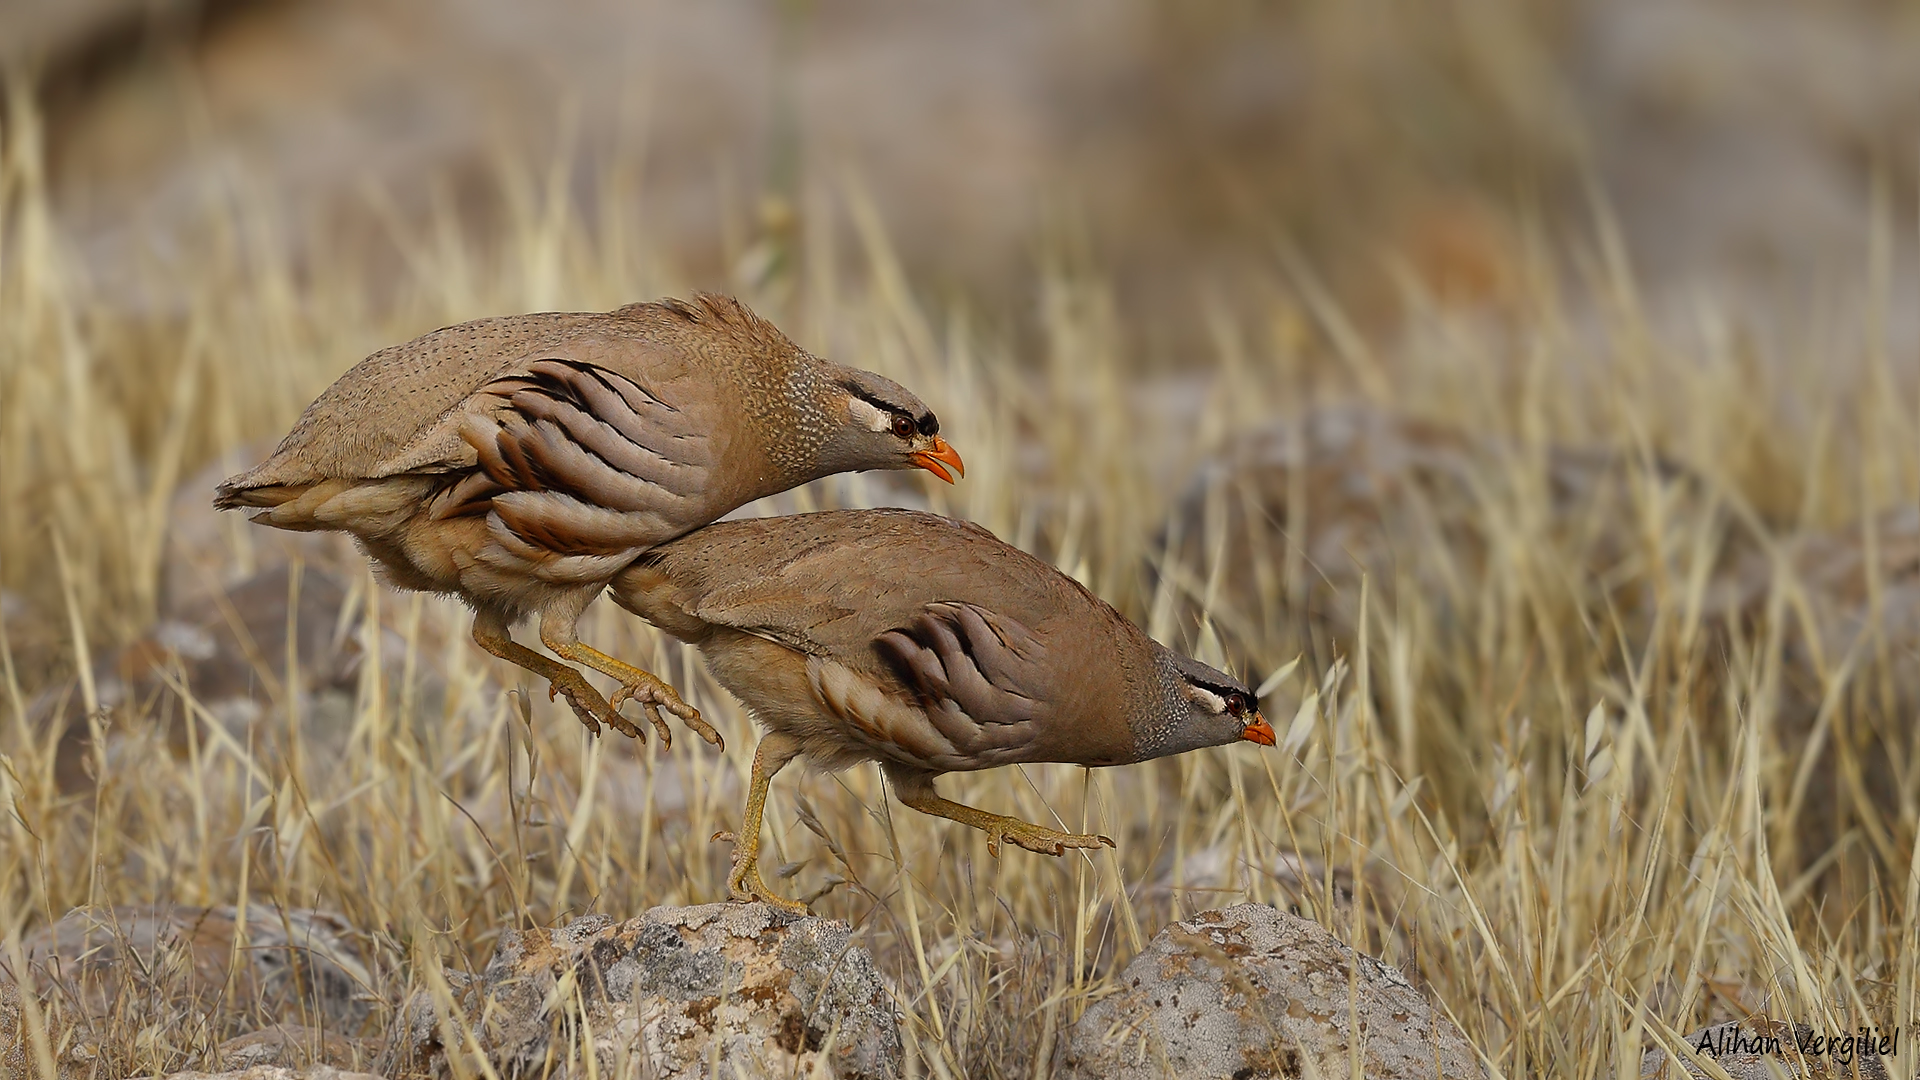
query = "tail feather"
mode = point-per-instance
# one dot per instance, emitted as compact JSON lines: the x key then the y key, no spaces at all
{"x":233,"y":495}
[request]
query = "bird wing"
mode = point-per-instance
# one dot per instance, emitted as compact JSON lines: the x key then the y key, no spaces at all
{"x":827,"y":583}
{"x":764,"y":609}
{"x":979,"y":677}
{"x":976,"y":679}
{"x":963,"y":656}
{"x":379,"y":418}
{"x":577,"y":458}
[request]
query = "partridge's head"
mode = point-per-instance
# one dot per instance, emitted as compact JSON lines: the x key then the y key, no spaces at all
{"x":1202,"y":707}
{"x":878,"y":424}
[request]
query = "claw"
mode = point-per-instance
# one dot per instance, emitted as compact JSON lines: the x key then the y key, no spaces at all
{"x":654,"y":695}
{"x":707,"y":732}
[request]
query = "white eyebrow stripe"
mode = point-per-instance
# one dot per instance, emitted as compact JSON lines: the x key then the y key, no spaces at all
{"x":1214,"y":702}
{"x":873,"y":419}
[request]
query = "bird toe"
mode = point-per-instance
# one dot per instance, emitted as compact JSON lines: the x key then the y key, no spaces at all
{"x":660,"y":725}
{"x":705,"y":731}
{"x":627,"y":727}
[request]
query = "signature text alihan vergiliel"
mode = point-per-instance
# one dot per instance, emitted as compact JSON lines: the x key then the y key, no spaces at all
{"x":1840,"y":1047}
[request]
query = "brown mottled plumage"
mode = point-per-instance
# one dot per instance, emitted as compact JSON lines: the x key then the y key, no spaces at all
{"x":522,"y":462}
{"x":930,"y":646}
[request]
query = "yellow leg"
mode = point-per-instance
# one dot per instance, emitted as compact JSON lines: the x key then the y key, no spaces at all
{"x":652,"y":692}
{"x":915,"y":788}
{"x":744,"y":882}
{"x":490,"y":633}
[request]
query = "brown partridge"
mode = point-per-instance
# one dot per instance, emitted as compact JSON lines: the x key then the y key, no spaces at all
{"x":522,"y":462}
{"x":930,"y":646}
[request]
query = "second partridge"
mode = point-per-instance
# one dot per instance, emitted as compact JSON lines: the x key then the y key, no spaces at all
{"x":930,"y":646}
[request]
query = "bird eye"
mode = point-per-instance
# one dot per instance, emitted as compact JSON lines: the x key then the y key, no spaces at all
{"x":1236,"y":704}
{"x":903,"y":426}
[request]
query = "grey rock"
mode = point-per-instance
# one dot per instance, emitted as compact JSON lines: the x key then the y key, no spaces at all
{"x":295,"y":964}
{"x":1761,"y":1049}
{"x":276,"y":1072}
{"x":1252,"y":993}
{"x":720,"y":990}
{"x":17,"y":1056}
{"x":293,"y":1046}
{"x":1273,"y":536}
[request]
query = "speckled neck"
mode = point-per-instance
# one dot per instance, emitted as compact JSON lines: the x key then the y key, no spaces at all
{"x":783,"y":391}
{"x":1157,"y":727}
{"x":792,"y":398}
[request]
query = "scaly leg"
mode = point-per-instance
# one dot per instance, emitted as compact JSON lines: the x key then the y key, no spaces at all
{"x":915,"y":788}
{"x":744,"y":883}
{"x":490,"y":632}
{"x":652,"y":692}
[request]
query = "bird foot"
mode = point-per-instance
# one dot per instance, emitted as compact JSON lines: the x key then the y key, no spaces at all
{"x":588,"y":705}
{"x":653,"y":694}
{"x":1038,"y":838}
{"x":745,"y":884}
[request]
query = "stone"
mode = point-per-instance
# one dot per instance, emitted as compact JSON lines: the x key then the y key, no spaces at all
{"x":16,"y":1052}
{"x":1763,"y":1049}
{"x":254,"y":623}
{"x":295,"y":964}
{"x":277,"y":1073}
{"x":1847,"y":601}
{"x":231,"y":654}
{"x":292,"y":1046}
{"x":71,"y":1059}
{"x":1306,"y":886}
{"x":1272,"y":537}
{"x":1252,"y":993}
{"x":721,"y":990}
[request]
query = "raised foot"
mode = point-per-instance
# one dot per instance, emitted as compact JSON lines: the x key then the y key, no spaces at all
{"x":1037,"y":838}
{"x":653,"y":694}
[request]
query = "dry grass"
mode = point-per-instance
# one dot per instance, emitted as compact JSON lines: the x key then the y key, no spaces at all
{"x":1587,"y":866}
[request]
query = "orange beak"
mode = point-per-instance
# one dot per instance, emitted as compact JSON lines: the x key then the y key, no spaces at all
{"x":937,"y":460}
{"x":1259,"y":731}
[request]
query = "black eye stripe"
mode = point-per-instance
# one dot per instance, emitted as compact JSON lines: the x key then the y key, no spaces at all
{"x":1228,"y":692}
{"x":926,"y":425}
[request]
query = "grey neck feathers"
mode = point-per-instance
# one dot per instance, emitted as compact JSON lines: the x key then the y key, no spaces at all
{"x":790,"y":398}
{"x":1162,"y":728}
{"x":1171,"y":724}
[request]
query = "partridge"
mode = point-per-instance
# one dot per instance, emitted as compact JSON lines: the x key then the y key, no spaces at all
{"x":522,"y":462}
{"x":930,"y":646}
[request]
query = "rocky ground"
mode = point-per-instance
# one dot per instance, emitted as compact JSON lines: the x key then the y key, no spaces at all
{"x":744,"y":990}
{"x":723,"y":990}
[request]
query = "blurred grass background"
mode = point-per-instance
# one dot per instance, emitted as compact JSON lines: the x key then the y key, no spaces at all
{"x":1540,"y":372}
